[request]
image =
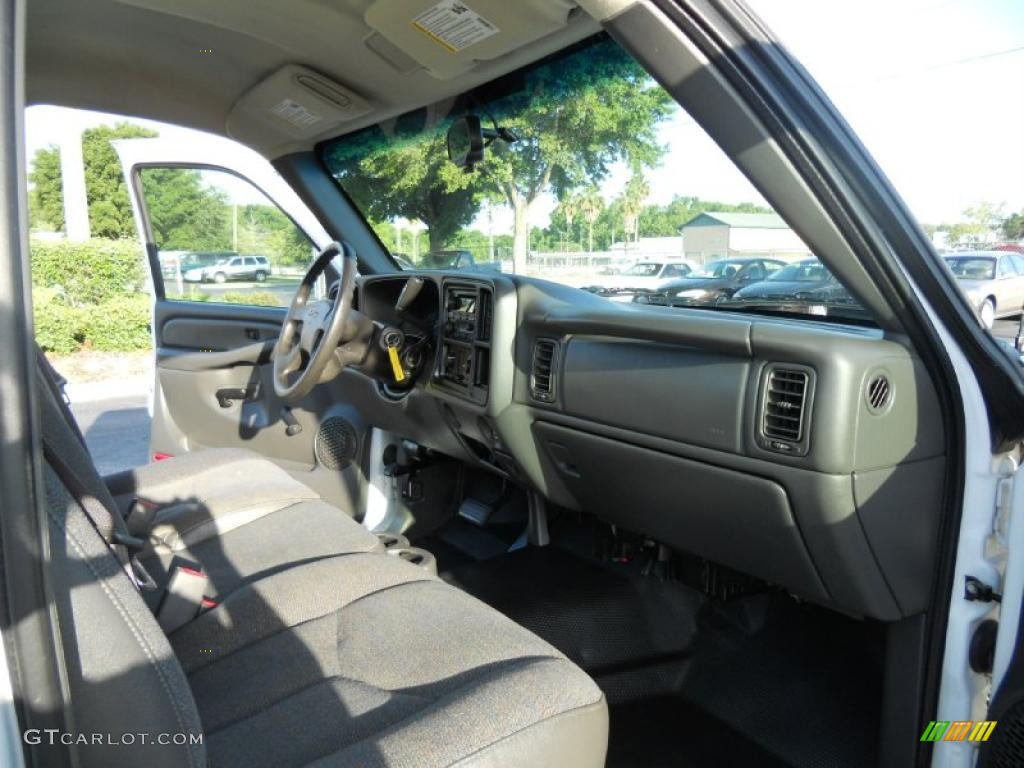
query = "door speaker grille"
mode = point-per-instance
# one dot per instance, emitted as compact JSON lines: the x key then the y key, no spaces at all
{"x":336,"y":443}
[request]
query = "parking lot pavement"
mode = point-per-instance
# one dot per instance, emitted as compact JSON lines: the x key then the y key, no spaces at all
{"x":116,"y":430}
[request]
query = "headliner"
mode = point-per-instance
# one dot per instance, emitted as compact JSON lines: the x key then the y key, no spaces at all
{"x":144,"y":58}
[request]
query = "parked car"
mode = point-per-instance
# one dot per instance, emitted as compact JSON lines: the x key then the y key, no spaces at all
{"x":993,"y":282}
{"x":804,"y":287}
{"x":231,"y":268}
{"x":456,"y":259}
{"x":639,"y":278}
{"x":712,"y":283}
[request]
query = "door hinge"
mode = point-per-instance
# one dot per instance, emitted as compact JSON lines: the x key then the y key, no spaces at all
{"x":976,"y":590}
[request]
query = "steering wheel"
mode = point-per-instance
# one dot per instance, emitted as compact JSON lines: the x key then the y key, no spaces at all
{"x":313,"y":330}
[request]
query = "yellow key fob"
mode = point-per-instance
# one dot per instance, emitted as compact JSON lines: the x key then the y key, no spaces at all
{"x":396,"y":364}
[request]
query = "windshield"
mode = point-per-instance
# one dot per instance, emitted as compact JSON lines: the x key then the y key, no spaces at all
{"x":972,"y":267}
{"x":804,"y":272}
{"x":591,"y":175}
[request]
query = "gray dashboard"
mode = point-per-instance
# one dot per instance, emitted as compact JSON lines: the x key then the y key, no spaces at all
{"x":804,"y":453}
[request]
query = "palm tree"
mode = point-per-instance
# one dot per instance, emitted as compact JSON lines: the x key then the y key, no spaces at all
{"x":591,"y":205}
{"x":570,"y":207}
{"x":633,"y":198}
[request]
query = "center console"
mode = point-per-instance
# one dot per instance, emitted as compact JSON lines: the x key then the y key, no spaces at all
{"x":464,"y":353}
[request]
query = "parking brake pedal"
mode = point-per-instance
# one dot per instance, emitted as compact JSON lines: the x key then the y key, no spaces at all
{"x":475,"y":511}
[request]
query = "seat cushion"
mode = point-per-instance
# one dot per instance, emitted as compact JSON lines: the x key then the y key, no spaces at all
{"x":367,"y":660}
{"x":235,"y":514}
{"x":229,"y":485}
{"x":299,"y":533}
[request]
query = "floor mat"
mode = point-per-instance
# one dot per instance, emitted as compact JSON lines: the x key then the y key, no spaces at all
{"x":667,"y":732}
{"x":759,"y":680}
{"x":631,"y":634}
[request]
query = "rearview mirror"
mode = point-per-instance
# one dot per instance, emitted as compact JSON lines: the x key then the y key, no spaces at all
{"x":466,"y":142}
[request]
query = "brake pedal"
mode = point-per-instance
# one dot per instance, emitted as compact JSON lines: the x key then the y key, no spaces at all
{"x":476,"y":512}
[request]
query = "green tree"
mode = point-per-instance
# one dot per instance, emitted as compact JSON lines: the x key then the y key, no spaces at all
{"x":185,"y":214}
{"x":110,"y":210}
{"x":407,"y":177}
{"x":576,"y":117}
{"x":979,"y":224}
{"x":591,"y":205}
{"x":1013,"y":226}
{"x":632,"y":203}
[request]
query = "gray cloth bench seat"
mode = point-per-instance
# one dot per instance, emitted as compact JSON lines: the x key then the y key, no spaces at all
{"x":336,"y":656}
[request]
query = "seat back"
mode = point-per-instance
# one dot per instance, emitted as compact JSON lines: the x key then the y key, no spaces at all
{"x":123,"y":676}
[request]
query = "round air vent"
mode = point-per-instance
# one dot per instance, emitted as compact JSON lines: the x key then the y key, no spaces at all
{"x":878,"y":393}
{"x":335,"y":443}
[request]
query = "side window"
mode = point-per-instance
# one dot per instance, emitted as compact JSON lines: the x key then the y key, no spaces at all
{"x":753,"y":272}
{"x":674,"y":270}
{"x":1006,"y":268}
{"x":220,"y":239}
{"x":771,"y":267}
{"x":1018,"y":262}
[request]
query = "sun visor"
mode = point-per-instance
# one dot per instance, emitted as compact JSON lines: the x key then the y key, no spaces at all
{"x":294,"y":104}
{"x":447,"y":37}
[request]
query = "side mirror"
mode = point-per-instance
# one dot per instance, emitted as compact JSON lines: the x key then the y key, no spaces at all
{"x":466,"y":142}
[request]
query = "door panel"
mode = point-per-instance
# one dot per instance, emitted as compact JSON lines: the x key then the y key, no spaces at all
{"x":213,"y":374}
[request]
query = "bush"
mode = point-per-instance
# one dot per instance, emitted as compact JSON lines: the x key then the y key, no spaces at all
{"x":116,"y":325}
{"x":254,"y":298}
{"x":59,"y":327}
{"x":119,"y":324}
{"x":89,"y":272}
{"x":87,"y":295}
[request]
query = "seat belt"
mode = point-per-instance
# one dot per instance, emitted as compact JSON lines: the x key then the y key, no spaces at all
{"x":122,"y":544}
{"x":57,"y":384}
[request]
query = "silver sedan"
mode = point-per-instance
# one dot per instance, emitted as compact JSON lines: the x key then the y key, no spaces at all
{"x":992,"y":280}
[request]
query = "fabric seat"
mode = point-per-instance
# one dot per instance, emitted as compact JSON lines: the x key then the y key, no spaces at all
{"x":352,"y":659}
{"x":236,"y":515}
{"x":230,"y":512}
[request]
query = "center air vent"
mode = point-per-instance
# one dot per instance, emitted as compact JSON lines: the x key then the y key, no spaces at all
{"x":542,"y":376}
{"x":785,"y":408}
{"x":486,"y":312}
{"x":878,"y":393}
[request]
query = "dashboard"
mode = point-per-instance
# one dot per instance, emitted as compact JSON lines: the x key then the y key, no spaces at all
{"x":804,"y":453}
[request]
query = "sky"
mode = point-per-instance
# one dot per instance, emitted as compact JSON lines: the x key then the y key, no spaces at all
{"x":934,"y":89}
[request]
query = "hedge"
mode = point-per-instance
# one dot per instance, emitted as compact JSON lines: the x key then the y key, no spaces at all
{"x":118,"y":324}
{"x":88,"y":272}
{"x":87,"y":295}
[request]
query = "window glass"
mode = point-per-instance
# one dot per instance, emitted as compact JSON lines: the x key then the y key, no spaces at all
{"x":220,"y":239}
{"x":1005,"y":268}
{"x":592,"y":176}
{"x":897,"y":100}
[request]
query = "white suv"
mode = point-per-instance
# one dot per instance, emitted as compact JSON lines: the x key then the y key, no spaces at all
{"x":231,"y":268}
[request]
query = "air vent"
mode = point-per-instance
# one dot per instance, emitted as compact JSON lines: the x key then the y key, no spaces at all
{"x":542,"y":378}
{"x":486,"y":318}
{"x":878,"y":393}
{"x":784,"y":409}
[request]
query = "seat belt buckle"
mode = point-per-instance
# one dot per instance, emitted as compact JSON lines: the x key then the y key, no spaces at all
{"x":139,"y":517}
{"x":183,"y":599}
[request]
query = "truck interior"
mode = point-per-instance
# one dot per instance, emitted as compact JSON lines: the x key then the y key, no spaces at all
{"x":472,"y":517}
